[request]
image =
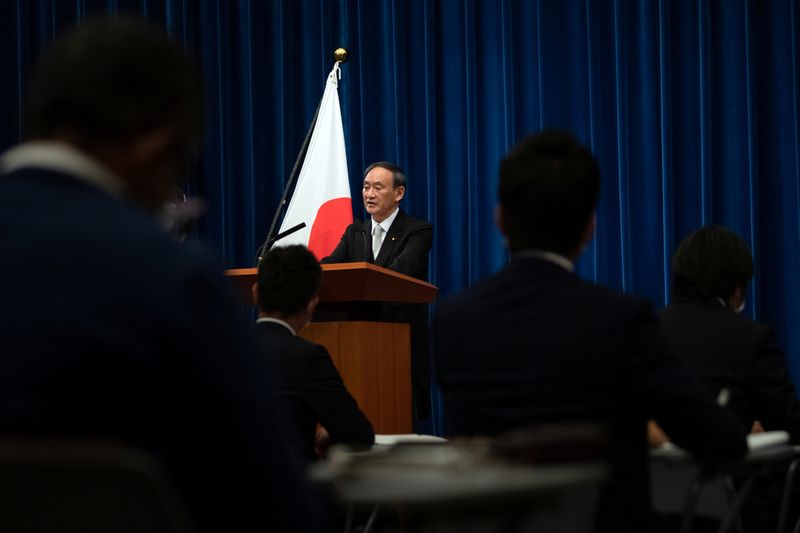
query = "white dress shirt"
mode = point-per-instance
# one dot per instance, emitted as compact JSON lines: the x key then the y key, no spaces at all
{"x":61,"y":157}
{"x":276,"y":321}
{"x":386,"y":224}
{"x":553,"y":257}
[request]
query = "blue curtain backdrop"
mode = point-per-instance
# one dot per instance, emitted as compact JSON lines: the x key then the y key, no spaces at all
{"x":691,"y":107}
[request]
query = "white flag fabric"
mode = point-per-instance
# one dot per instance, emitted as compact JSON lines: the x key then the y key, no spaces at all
{"x":321,"y":196}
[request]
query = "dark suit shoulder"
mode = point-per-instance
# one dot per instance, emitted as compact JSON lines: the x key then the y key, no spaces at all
{"x":278,"y":334}
{"x":355,"y":227}
{"x":305,"y":346}
{"x":712,"y":311}
{"x":351,"y":232}
{"x":351,"y":246}
{"x":520,"y":281}
{"x":410,"y":223}
{"x":693,"y":320}
{"x":621,"y":305}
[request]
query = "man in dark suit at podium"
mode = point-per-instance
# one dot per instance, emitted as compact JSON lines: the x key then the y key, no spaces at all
{"x":310,"y":388}
{"x":534,"y":343}
{"x":110,"y":329}
{"x":392,"y":239}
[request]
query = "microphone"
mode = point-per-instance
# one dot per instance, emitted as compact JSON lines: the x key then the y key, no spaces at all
{"x":367,"y":247}
{"x":268,"y":244}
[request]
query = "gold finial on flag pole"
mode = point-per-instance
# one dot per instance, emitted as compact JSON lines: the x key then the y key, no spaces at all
{"x":340,"y":55}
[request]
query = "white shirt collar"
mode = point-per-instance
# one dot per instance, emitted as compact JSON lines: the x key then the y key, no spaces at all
{"x":61,"y":157}
{"x":553,"y":257}
{"x":276,"y":321}
{"x":387,"y":222}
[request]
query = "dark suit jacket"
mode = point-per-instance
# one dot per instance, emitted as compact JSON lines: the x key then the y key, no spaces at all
{"x":731,"y":351}
{"x":535,"y":344}
{"x":110,"y":329}
{"x":405,"y":249}
{"x":311,"y":391}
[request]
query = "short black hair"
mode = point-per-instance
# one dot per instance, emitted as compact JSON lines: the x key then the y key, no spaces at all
{"x":711,"y":261}
{"x":549,"y":185}
{"x":288,"y":278}
{"x":112,"y":78}
{"x":398,"y":176}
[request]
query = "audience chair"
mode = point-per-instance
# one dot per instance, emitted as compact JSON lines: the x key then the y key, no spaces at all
{"x":65,"y":486}
{"x":789,"y":494}
{"x":682,"y":486}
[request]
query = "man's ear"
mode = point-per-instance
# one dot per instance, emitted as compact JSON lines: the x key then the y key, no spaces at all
{"x":399,"y":193}
{"x":254,"y":292}
{"x":586,"y":236}
{"x":152,"y":144}
{"x":149,"y":162}
{"x":312,"y":306}
{"x":588,"y":231}
{"x":498,"y":219}
{"x":736,"y":298}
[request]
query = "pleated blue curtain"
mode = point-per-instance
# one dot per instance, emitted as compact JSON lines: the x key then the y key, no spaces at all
{"x":691,"y":107}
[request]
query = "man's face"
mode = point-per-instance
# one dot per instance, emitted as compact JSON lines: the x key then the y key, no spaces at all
{"x":380,"y":195}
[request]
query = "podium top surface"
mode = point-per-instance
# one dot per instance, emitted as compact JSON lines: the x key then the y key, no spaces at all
{"x":353,"y":282}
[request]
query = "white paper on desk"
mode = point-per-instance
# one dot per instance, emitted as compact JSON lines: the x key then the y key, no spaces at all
{"x":668,"y":449}
{"x":385,"y":440}
{"x":755,"y":441}
{"x":759,"y":441}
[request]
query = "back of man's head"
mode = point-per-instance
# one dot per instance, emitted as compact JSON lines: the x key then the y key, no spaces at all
{"x":288,"y":279}
{"x":112,"y":79}
{"x":712,"y":261}
{"x":549,"y":185}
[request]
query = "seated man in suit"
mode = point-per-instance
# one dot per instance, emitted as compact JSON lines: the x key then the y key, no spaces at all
{"x":309,"y":386}
{"x":110,"y":329}
{"x":535,"y":344}
{"x":393,"y":240}
{"x":710,"y":273}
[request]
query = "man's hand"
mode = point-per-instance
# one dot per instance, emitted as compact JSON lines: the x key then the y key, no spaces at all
{"x":321,"y":442}
{"x":655,"y":435}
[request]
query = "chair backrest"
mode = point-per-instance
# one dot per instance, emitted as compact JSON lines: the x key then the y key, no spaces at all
{"x":671,"y":484}
{"x":60,"y":486}
{"x":707,"y":490}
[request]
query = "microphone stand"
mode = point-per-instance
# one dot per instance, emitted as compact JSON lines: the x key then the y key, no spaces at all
{"x":264,"y":248}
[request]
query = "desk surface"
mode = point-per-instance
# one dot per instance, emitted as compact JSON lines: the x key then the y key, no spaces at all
{"x":435,"y":474}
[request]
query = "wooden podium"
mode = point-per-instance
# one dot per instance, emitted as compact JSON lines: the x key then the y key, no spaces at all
{"x":373,"y":358}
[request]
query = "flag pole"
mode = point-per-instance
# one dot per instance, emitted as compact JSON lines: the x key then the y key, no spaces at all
{"x":340,"y":55}
{"x":292,"y":176}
